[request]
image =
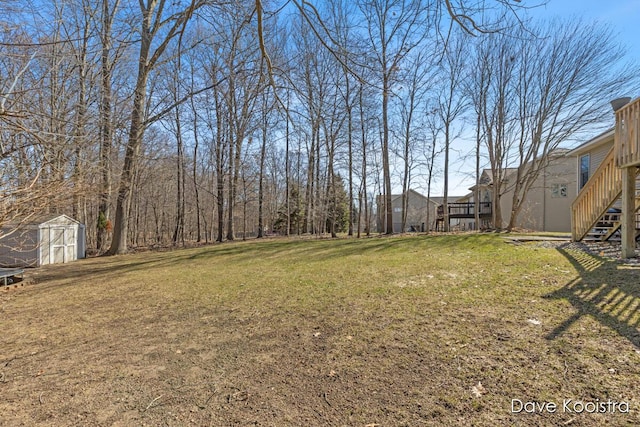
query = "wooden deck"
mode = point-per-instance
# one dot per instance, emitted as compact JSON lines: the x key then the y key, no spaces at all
{"x":465,"y":210}
{"x":10,"y":273}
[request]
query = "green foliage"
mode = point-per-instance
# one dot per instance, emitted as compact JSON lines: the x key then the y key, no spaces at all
{"x":338,"y":206}
{"x":296,"y":213}
{"x":102,"y":221}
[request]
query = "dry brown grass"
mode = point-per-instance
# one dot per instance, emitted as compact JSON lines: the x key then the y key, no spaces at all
{"x":390,"y":332}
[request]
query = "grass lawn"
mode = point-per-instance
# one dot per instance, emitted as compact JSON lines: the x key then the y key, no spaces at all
{"x":428,"y":330}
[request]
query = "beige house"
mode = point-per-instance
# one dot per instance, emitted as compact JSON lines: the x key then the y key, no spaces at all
{"x":419,"y":208}
{"x":547,"y":205}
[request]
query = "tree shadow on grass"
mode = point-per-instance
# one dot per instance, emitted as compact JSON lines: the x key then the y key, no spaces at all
{"x":102,"y":270}
{"x":322,"y":250}
{"x":607,"y":291}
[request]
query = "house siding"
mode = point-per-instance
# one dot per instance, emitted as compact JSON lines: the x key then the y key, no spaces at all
{"x":597,"y":155}
{"x":557,"y":212}
{"x":531,"y":216}
{"x":418,"y":206}
{"x":542,"y":209}
{"x":597,"y":149}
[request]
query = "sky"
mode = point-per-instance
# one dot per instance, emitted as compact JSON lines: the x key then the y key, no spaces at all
{"x":622,"y":15}
{"x":624,"y":18}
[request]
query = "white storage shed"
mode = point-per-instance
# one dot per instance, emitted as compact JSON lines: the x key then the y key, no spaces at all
{"x":49,"y":239}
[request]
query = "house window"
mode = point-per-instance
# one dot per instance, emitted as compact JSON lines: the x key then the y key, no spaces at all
{"x":584,"y":169}
{"x":559,"y":190}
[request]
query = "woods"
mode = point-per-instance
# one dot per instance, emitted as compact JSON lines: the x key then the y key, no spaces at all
{"x":162,"y":123}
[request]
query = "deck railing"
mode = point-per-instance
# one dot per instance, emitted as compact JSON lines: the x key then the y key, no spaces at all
{"x":465,"y":209}
{"x":627,"y":136}
{"x":598,"y":194}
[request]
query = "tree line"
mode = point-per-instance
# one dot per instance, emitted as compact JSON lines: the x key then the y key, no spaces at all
{"x":158,"y":122}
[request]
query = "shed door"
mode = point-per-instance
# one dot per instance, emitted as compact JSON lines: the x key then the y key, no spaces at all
{"x":70,"y":244}
{"x":62,"y":244}
{"x":56,"y":245}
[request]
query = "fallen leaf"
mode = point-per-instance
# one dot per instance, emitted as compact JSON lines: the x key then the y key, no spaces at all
{"x":478,"y":390}
{"x":241,"y":396}
{"x":534,"y":321}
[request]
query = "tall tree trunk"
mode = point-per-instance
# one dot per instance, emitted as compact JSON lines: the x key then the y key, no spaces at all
{"x":331,"y":190}
{"x":219,"y":162}
{"x":350,"y":149}
{"x":476,"y":191}
{"x":105,"y":126}
{"x":263,"y":150}
{"x":386,"y":169}
{"x":194,"y":173}
{"x":364,"y":164}
{"x":309,"y":194}
{"x":178,"y":230}
{"x":287,"y":171}
{"x":445,"y":186}
{"x":220,"y":196}
{"x":152,"y":20}
{"x":136,"y":130}
{"x":231,"y":191}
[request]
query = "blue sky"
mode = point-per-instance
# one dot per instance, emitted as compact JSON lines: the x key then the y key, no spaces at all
{"x":622,"y":15}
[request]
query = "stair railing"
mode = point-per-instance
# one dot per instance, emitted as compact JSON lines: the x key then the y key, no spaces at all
{"x":598,"y":194}
{"x":627,"y":136}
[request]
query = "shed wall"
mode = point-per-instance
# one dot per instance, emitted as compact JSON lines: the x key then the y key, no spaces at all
{"x":20,"y":248}
{"x":58,"y":240}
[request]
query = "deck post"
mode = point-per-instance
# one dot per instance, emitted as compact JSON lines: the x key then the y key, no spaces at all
{"x":628,"y":228}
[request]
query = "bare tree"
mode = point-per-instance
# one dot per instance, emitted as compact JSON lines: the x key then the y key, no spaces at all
{"x":564,"y":80}
{"x":432,"y":149}
{"x":395,"y":28}
{"x":38,"y":129}
{"x":263,"y":149}
{"x":497,"y":64}
{"x":412,"y":98}
{"x":157,"y":30}
{"x":452,"y":102}
{"x":107,"y":63}
{"x":535,"y":90}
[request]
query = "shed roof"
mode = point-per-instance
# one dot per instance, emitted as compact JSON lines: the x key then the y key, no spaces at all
{"x":38,"y":220}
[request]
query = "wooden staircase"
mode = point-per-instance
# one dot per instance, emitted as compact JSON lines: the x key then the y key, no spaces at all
{"x":598,"y":211}
{"x":609,"y":224}
{"x":595,"y":214}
